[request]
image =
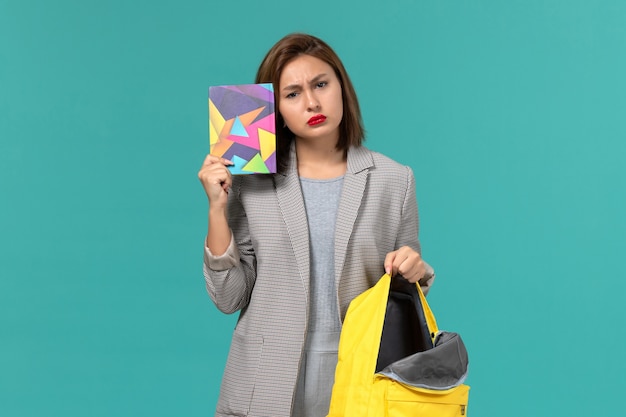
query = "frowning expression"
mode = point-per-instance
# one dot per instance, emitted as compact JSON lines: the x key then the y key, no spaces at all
{"x":310,"y":99}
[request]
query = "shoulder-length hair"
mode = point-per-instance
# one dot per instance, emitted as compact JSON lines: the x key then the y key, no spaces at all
{"x":351,"y":132}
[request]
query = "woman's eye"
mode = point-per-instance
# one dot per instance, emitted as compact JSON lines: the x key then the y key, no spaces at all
{"x":321,"y":84}
{"x":291,"y":95}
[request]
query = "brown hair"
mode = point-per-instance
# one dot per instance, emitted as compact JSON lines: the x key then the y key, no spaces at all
{"x":351,"y":132}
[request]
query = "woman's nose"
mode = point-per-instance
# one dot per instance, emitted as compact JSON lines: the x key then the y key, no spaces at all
{"x":312,"y":101}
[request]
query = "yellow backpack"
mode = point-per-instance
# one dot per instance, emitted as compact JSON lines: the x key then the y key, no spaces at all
{"x":393,"y":361}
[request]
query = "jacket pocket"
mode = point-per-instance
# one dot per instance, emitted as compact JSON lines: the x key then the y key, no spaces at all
{"x":402,"y":400}
{"x":240,"y":375}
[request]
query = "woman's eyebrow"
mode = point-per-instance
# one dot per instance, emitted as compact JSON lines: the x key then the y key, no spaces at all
{"x":317,"y":78}
{"x":292,"y":87}
{"x":296,"y":86}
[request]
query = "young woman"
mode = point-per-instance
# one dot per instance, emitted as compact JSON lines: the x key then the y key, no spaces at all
{"x":292,"y":249}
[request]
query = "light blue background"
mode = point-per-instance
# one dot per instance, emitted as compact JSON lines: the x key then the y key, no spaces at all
{"x":511,"y":113}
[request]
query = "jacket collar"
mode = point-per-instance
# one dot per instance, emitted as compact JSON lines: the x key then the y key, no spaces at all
{"x":291,"y":204}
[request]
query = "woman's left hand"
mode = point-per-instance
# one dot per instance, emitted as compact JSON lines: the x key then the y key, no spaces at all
{"x":406,"y":262}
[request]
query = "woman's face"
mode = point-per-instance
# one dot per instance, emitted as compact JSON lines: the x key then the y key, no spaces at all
{"x":310,"y":99}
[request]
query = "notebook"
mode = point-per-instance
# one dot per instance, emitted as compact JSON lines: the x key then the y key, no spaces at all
{"x":242,"y":127}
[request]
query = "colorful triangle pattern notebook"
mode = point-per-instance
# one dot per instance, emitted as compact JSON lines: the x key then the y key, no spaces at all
{"x":242,"y":127}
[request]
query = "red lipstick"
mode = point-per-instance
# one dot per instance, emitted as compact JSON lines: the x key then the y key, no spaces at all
{"x":317,"y":119}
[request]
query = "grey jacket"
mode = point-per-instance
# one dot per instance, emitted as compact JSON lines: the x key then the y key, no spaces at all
{"x":265,"y":272}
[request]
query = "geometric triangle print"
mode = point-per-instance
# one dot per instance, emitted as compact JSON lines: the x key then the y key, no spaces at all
{"x":256,"y":165}
{"x":248,"y":118}
{"x":238,"y":129}
{"x":242,"y":126}
{"x":267,"y":141}
{"x":238,"y":164}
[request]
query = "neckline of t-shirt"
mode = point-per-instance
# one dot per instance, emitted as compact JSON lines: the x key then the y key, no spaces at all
{"x":320,"y":180}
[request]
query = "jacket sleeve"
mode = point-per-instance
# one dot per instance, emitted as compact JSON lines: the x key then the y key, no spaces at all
{"x":230,"y":277}
{"x":409,"y":229}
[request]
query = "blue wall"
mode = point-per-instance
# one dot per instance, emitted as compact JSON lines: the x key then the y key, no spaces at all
{"x":512,"y":115}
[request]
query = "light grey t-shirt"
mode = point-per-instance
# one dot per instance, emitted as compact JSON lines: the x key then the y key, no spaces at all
{"x":321,"y":199}
{"x":317,"y":367}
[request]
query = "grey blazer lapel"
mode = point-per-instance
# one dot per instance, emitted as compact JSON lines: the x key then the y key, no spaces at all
{"x":355,"y":180}
{"x":291,"y":203}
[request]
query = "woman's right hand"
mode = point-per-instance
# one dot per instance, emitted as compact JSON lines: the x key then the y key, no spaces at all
{"x":216,"y":180}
